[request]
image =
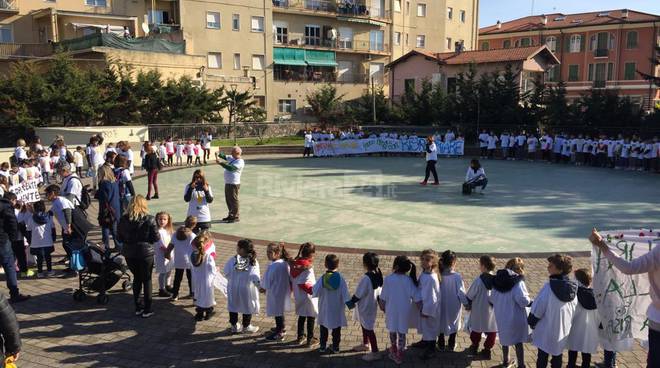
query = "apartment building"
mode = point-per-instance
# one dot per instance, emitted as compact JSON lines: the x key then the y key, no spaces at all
{"x":603,"y":49}
{"x":279,"y":49}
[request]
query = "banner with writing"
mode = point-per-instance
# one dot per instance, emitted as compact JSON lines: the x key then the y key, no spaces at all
{"x":378,"y":145}
{"x":622,"y":299}
{"x":27,"y":191}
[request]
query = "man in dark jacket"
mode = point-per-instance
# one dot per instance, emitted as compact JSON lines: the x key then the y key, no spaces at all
{"x":8,"y":229}
{"x":9,"y":333}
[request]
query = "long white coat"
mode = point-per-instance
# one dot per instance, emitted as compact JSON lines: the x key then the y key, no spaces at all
{"x":242,"y":293}
{"x":162,"y":264}
{"x":182,"y":251}
{"x":556,"y":317}
{"x":511,"y":314}
{"x":278,"y":287}
{"x":584,"y":332}
{"x":202,"y":279}
{"x":332,"y":304}
{"x":452,"y":297}
{"x":429,"y":290}
{"x":367,"y":306}
{"x":482,"y":317}
{"x":399,"y":294}
{"x":306,"y":304}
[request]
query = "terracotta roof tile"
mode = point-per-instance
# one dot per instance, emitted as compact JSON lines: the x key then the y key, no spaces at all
{"x":559,"y":20}
{"x":489,"y":56}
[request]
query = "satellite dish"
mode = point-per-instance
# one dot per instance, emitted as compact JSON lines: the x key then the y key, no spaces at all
{"x":145,"y":28}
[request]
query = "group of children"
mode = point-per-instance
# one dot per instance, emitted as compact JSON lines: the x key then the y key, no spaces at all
{"x":195,"y":151}
{"x":624,"y":153}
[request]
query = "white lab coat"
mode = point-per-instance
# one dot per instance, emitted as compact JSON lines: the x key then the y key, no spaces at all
{"x":584,"y":331}
{"x":399,"y":294}
{"x":182,"y":250}
{"x":367,"y":306}
{"x":482,"y":317}
{"x":278,"y":289}
{"x":162,"y":264}
{"x":556,"y":317}
{"x":511,"y":314}
{"x":332,"y":304}
{"x":306,"y":305}
{"x":242,"y":293}
{"x":429,"y":290}
{"x":202,"y":279}
{"x":452,"y":297}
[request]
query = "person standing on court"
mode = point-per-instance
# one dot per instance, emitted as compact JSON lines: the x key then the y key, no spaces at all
{"x":431,"y":159}
{"x":233,"y":169}
{"x":308,"y":144}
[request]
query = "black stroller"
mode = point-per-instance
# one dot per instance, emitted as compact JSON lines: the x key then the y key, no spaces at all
{"x":102,"y":271}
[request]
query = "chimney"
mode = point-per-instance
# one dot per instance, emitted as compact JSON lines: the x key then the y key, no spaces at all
{"x":544,"y":19}
{"x":499,"y":25}
{"x":624,"y":13}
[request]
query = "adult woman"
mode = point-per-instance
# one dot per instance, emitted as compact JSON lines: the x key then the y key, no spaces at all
{"x":151,"y":165}
{"x":431,"y":159}
{"x":198,"y":194}
{"x":476,"y":176}
{"x":109,"y":206}
{"x":124,"y":181}
{"x":649,"y":264}
{"x":138,"y":232}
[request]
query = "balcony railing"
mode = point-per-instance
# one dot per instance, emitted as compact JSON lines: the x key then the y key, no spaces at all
{"x":10,"y":5}
{"x":601,"y":53}
{"x":25,"y":49}
{"x":599,"y":84}
{"x":164,"y":28}
{"x":337,"y":7}
{"x":340,"y":45}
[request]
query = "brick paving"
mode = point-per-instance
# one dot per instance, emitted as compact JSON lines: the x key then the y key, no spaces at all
{"x":60,"y":332}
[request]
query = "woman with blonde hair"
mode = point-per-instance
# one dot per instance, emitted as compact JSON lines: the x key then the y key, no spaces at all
{"x":138,"y":232}
{"x":109,"y":206}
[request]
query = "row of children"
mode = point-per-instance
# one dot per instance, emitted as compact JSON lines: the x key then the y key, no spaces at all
{"x":195,"y":151}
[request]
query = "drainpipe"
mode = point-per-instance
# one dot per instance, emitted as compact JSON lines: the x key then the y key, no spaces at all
{"x":265,"y":67}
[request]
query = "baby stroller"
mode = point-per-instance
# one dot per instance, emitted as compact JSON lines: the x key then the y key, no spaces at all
{"x":100,"y":272}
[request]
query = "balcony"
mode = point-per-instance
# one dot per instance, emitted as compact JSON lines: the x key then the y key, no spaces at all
{"x":601,"y":53}
{"x":333,"y":8}
{"x":308,"y":74}
{"x":25,"y":50}
{"x":599,"y":84}
{"x":10,"y":6}
{"x":345,"y":45}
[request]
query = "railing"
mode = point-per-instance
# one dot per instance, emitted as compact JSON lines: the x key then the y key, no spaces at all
{"x":9,"y":5}
{"x":300,"y":74}
{"x":601,"y":53}
{"x":354,"y":45}
{"x":360,"y":10}
{"x":26,"y":49}
{"x":599,"y":84}
{"x":342,"y":8}
{"x":164,"y":28}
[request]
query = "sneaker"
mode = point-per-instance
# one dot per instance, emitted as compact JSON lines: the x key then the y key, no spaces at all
{"x":50,"y":273}
{"x":250,"y":329}
{"x":147,"y":314}
{"x":236,"y":328}
{"x":511,"y":364}
{"x":301,"y":340}
{"x":208,"y":315}
{"x":471,"y":351}
{"x":397,"y":357}
{"x":436,"y":183}
{"x":19,"y":298}
{"x":485,"y":354}
{"x":322,"y":350}
{"x":233,"y":220}
{"x":371,"y":357}
{"x":275,"y":336}
{"x":155,"y":196}
{"x":139,"y":311}
{"x":312,"y":343}
{"x":164,"y":294}
{"x":226,"y":219}
{"x":174,"y":297}
{"x":41,"y":275}
{"x":422,"y":183}
{"x":169,"y":289}
{"x":361,"y":348}
{"x":199,"y":316}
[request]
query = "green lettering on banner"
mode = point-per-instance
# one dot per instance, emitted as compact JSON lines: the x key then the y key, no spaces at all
{"x":644,"y":325}
{"x":612,"y":286}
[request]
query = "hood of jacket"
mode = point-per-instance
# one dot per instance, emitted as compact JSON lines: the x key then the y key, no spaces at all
{"x":505,"y":280}
{"x":586,"y":297}
{"x":563,"y":288}
{"x":41,"y":218}
{"x":299,"y":266}
{"x":375,"y":278}
{"x":487,"y":278}
{"x":331,"y":280}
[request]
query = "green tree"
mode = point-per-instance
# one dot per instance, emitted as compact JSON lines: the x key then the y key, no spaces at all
{"x":239,"y":107}
{"x":325,"y":104}
{"x":360,"y":110}
{"x":557,"y":110}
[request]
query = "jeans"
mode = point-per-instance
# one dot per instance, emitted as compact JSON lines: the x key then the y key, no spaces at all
{"x":141,"y":268}
{"x":654,"y":345}
{"x":480,"y":182}
{"x":43,"y":254}
{"x":152,"y":181}
{"x":430,"y":169}
{"x":233,"y":319}
{"x":18,"y":248}
{"x":609,"y":358}
{"x":369,"y":338}
{"x":106,"y":231}
{"x":542,"y":360}
{"x":336,"y":337}
{"x":7,"y":260}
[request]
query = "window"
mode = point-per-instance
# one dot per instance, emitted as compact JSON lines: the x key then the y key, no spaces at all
{"x":409,"y":85}
{"x":450,"y":13}
{"x":461,"y":16}
{"x":237,"y":61}
{"x":214,"y":60}
{"x":213,"y":20}
{"x":345,"y":37}
{"x":629,"y":71}
{"x":551,"y":42}
{"x":421,"y":41}
{"x":312,"y":35}
{"x":397,"y":38}
{"x":257,"y":24}
{"x":99,"y":3}
{"x":407,"y":7}
{"x":600,"y":73}
{"x":552,"y":74}
{"x":449,"y":45}
{"x":610,"y":71}
{"x":376,"y":40}
{"x":281,"y":32}
{"x":631,"y":40}
{"x":485,"y":46}
{"x":257,"y":62}
{"x":573,"y":73}
{"x":286,"y":106}
{"x":6,"y":35}
{"x":421,"y":10}
{"x":576,"y":43}
{"x":397,"y":6}
{"x":235,"y":22}
{"x":524,"y":42}
{"x":590,"y":73}
{"x":506,"y":44}
{"x":157,"y":16}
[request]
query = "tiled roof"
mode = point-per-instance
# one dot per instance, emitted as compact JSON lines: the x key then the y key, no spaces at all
{"x":559,"y":20}
{"x":480,"y":56}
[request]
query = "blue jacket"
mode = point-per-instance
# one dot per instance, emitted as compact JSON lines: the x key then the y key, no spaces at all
{"x":109,"y":203}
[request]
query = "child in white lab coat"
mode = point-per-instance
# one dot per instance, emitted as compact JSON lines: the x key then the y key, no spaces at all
{"x":429,"y":290}
{"x":161,"y":263}
{"x":242,"y":272}
{"x":181,"y":243}
{"x":180,"y":147}
{"x":397,"y":301}
{"x":366,"y":298}
{"x":41,"y":227}
{"x":482,"y":318}
{"x":452,"y":297}
{"x":203,"y":272}
{"x":332,"y":291}
{"x":277,"y":287}
{"x":552,"y":312}
{"x":583,"y":337}
{"x":302,"y":281}
{"x":510,"y":300}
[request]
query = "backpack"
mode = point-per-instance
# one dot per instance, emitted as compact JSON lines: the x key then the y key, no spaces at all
{"x":85,"y":198}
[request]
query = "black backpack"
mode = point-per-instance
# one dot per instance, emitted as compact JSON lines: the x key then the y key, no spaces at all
{"x":85,"y":198}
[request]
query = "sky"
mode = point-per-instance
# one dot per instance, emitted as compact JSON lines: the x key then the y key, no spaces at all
{"x":493,"y":10}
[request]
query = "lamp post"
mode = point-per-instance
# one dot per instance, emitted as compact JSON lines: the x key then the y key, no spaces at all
{"x":232,"y":109}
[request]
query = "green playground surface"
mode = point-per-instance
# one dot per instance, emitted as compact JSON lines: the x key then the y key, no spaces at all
{"x":377,"y":203}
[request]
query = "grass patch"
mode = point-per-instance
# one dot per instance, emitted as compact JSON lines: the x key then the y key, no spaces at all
{"x":274,"y":141}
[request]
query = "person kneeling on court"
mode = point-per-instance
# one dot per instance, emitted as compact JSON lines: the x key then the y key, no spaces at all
{"x":475,"y":177}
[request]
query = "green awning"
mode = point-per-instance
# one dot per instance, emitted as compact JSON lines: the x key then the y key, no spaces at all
{"x":288,"y":56}
{"x":320,"y":58}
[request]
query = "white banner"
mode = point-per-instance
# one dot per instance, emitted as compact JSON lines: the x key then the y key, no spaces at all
{"x":27,"y":191}
{"x":377,"y":145}
{"x":622,"y":299}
